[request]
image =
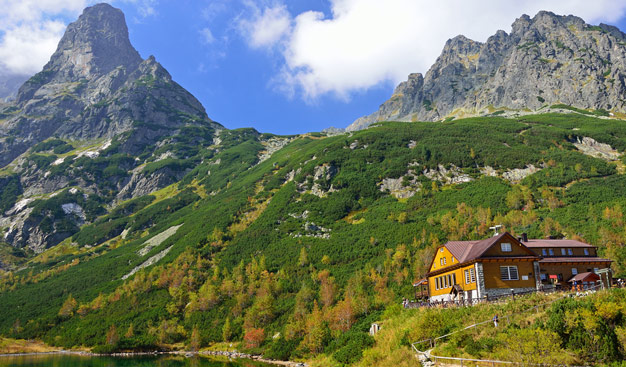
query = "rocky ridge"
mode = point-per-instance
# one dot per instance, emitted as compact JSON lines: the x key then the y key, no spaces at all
{"x":112,"y":111}
{"x":545,"y":62}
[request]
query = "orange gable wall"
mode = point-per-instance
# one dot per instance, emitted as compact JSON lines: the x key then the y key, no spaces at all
{"x":450,"y":260}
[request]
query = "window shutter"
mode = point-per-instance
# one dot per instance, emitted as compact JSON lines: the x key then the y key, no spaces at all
{"x":467,"y":277}
{"x":472,"y":276}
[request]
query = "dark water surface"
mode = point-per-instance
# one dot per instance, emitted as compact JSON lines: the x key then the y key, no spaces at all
{"x":138,"y":361}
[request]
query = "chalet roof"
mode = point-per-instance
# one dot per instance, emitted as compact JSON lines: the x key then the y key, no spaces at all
{"x":580,"y":259}
{"x":469,"y":250}
{"x":555,"y":243}
{"x":584,"y":277}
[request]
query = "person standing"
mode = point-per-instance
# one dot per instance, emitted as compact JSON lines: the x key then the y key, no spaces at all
{"x":495,"y":321}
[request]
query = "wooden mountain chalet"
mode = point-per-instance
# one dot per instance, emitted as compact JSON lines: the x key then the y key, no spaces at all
{"x":504,"y":264}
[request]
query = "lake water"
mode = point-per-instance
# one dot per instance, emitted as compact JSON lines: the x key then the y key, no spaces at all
{"x":157,"y":361}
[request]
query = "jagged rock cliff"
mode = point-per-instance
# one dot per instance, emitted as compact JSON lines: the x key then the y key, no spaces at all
{"x":97,"y":86}
{"x":98,"y":125}
{"x":546,"y":60}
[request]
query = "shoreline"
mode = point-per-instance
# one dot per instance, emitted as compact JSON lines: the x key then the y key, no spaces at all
{"x":230,"y":355}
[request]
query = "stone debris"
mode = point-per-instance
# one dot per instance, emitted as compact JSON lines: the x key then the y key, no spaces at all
{"x":518,"y":174}
{"x":489,"y":171}
{"x":591,"y":147}
{"x":153,"y":260}
{"x":272,"y":145}
{"x":397,"y":189}
{"x":74,"y":209}
{"x":157,"y":240}
{"x":454,"y":175}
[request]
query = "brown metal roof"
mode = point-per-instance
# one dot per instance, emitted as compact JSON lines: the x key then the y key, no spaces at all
{"x":573,"y":259}
{"x":469,"y":250}
{"x":555,"y":243}
{"x":582,"y":277}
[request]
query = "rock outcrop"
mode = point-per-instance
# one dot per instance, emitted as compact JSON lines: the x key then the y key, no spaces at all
{"x":544,"y":61}
{"x":96,"y":85}
{"x":120,"y":112}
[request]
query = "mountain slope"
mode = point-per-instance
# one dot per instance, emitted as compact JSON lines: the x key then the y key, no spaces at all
{"x":544,"y":61}
{"x":175,"y":230}
{"x":93,"y":119}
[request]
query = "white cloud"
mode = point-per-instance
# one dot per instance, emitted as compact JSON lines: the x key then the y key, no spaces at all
{"x":368,"y":42}
{"x":31,"y":29}
{"x":30,"y":32}
{"x":267,"y":26}
{"x":145,"y":8}
{"x":206,"y":35}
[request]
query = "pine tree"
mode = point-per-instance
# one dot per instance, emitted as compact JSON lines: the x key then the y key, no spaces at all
{"x":227,"y":331}
{"x":130,"y":332}
{"x":304,"y":258}
{"x":194,"y":342}
{"x":68,"y":307}
{"x":112,"y":338}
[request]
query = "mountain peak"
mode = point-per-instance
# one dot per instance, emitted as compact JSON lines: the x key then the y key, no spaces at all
{"x":96,"y":43}
{"x":547,"y":60}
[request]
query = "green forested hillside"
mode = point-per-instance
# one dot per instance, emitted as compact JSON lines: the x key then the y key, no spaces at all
{"x":296,"y":255}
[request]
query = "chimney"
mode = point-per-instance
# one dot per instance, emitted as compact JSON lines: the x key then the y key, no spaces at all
{"x":524,"y":237}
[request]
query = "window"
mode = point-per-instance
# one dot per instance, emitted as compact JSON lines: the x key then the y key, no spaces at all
{"x":505,"y":246}
{"x":563,"y":252}
{"x":551,"y":252}
{"x":508,"y":273}
{"x":451,"y":259}
{"x":544,"y":277}
{"x":544,"y":252}
{"x":472,"y":276}
{"x":586,"y":252}
{"x":595,"y":270}
{"x":444,"y":260}
{"x":441,"y":249}
{"x":574,"y":271}
{"x":441,"y":261}
{"x":570,"y":252}
{"x":453,"y":279}
{"x":467,"y":277}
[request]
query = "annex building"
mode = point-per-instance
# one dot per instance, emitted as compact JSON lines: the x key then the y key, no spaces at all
{"x":504,"y":263}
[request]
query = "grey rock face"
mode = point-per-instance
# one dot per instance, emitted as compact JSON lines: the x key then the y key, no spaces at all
{"x":97,"y":86}
{"x":546,"y":60}
{"x":95,"y":91}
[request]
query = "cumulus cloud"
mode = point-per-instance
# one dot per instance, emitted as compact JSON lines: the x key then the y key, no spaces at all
{"x":207,"y":36}
{"x":364,"y":43}
{"x":30,"y":31}
{"x":267,"y":26}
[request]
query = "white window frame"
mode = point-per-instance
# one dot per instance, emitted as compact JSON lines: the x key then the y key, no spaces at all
{"x":506,"y":247}
{"x":444,"y":260}
{"x":467,"y":276}
{"x":509,"y":273}
{"x":472,"y":276}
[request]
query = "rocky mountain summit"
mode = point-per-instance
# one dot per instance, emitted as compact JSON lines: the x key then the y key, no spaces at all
{"x":97,"y":86}
{"x":98,"y":125}
{"x":545,"y":61}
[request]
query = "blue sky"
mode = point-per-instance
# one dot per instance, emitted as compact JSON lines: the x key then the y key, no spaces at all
{"x":281,"y":66}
